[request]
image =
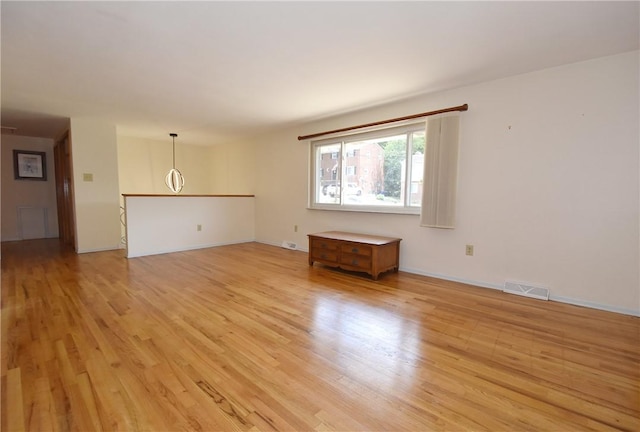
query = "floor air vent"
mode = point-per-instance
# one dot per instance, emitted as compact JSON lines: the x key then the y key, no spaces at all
{"x":526,"y":290}
{"x":289,"y":245}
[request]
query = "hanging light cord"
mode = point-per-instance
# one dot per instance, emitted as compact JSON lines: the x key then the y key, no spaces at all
{"x":173,"y":136}
{"x":174,"y":179}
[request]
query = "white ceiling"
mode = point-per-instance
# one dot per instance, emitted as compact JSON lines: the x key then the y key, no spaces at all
{"x":218,"y":71}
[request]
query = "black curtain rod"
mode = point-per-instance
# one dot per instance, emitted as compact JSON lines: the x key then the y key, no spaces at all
{"x":381,"y":122}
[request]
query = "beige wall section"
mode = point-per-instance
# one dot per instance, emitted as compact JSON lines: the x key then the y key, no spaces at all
{"x":142,"y":165}
{"x":224,"y":169}
{"x":17,"y":194}
{"x":548,"y":189}
{"x":233,"y":169}
{"x":94,"y":152}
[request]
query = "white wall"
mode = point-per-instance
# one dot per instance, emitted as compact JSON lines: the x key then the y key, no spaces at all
{"x":548,"y":185}
{"x":28,"y":194}
{"x":157,"y":225}
{"x":96,"y":202}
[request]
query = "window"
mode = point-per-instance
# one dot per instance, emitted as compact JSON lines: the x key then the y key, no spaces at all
{"x":378,"y":171}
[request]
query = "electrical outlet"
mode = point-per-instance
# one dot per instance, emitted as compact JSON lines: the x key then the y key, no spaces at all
{"x":469,"y":250}
{"x":198,"y":227}
{"x":295,"y":228}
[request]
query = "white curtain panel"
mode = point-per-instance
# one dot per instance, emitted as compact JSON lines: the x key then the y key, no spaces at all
{"x":440,"y":172}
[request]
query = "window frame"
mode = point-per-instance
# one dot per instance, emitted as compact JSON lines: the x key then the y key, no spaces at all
{"x":407,"y":128}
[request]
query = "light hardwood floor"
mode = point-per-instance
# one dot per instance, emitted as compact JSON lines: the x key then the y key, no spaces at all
{"x":249,"y":337}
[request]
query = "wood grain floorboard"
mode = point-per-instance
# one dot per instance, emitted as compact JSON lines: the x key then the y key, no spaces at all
{"x":249,"y":337}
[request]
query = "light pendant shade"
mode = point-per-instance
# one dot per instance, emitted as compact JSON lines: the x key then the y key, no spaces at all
{"x":174,"y":179}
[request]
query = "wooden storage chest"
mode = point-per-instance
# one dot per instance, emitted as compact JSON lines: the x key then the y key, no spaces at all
{"x":356,"y":252}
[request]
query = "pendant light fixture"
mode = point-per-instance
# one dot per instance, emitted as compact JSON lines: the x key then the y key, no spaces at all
{"x":174,"y":179}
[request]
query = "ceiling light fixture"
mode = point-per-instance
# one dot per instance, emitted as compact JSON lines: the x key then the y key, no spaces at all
{"x":174,"y":179}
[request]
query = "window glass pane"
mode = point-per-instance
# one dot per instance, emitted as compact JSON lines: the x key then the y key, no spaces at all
{"x":378,"y":170}
{"x":417,"y":167}
{"x":374,"y":174}
{"x":328,"y":174}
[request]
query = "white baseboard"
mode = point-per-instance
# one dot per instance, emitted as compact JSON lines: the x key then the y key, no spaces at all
{"x":184,"y":249}
{"x":10,"y":239}
{"x":279,"y":244}
{"x":453,"y":278}
{"x":116,"y":247}
{"x":559,"y":299}
{"x":593,"y":305}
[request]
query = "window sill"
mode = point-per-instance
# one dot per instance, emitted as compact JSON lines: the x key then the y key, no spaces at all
{"x":368,"y":209}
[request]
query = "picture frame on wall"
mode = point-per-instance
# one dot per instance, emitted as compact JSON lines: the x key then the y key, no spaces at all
{"x":30,"y":165}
